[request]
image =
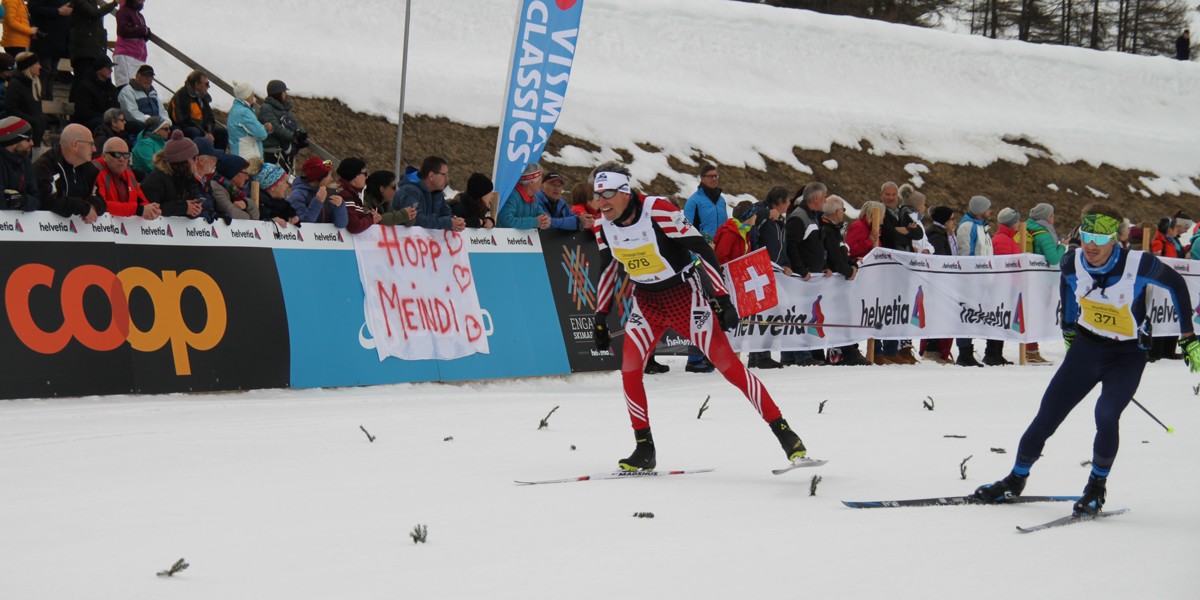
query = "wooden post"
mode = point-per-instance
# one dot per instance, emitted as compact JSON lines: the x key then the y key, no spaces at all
{"x":255,"y":187}
{"x":1148,"y":231}
{"x":1021,"y":233}
{"x":876,"y":221}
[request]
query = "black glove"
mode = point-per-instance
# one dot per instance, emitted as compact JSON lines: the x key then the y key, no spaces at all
{"x":1068,"y":336}
{"x":726,"y":314}
{"x":600,"y":331}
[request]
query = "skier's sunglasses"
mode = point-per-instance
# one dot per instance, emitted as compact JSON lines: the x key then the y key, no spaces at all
{"x":1098,"y":239}
{"x":607,"y":194}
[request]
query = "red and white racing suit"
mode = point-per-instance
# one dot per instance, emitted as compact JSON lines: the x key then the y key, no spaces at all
{"x":655,"y":249}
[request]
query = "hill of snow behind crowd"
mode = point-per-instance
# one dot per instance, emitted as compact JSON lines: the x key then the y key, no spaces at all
{"x":734,"y":80}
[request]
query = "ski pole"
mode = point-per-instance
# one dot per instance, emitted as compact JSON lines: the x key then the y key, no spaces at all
{"x":799,"y":324}
{"x":1145,"y":410}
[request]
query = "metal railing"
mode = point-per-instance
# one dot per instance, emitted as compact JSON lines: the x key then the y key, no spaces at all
{"x":217,"y":81}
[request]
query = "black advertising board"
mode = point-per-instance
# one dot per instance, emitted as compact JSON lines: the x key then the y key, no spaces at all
{"x":58,"y":336}
{"x":84,"y":318}
{"x":213,"y":318}
{"x":573,"y":265}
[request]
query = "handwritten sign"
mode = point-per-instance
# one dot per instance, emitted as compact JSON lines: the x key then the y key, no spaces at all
{"x":421,"y":300}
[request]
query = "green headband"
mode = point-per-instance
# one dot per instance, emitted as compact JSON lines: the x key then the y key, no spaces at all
{"x":1101,"y":224}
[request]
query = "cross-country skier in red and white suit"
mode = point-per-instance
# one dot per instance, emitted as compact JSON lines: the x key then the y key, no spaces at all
{"x":653,"y":243}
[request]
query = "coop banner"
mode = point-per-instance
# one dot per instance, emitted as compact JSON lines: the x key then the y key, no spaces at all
{"x":900,"y":295}
{"x":420,"y":295}
{"x":542,"y":55}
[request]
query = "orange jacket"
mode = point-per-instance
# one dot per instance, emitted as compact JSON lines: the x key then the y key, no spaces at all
{"x":17,"y":32}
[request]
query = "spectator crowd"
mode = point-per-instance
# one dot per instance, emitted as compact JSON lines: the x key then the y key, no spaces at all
{"x":129,"y":151}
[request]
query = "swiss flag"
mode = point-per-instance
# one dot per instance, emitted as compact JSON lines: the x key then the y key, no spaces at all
{"x":753,"y":282}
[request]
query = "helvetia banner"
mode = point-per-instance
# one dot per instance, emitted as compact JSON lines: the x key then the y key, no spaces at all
{"x":900,"y":295}
{"x":421,"y":301}
{"x":543,"y":52}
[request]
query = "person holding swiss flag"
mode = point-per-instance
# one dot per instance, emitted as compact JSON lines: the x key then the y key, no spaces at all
{"x":653,"y":243}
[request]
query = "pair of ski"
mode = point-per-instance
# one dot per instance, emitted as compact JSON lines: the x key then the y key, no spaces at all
{"x":962,"y":500}
{"x":620,"y":474}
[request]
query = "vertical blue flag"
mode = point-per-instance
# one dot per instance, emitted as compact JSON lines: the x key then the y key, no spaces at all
{"x":543,"y":51}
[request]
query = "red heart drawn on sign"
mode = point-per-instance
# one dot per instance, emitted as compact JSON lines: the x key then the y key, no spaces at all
{"x":474,"y":329}
{"x":565,"y":4}
{"x":462,"y":276}
{"x":454,"y":241}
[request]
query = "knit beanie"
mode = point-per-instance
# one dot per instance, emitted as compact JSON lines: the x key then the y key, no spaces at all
{"x":1008,"y":217}
{"x":26,"y":60}
{"x":941,"y":214}
{"x":314,"y":169}
{"x":269,"y":175}
{"x":13,"y":130}
{"x":1041,"y":212}
{"x":179,"y":148}
{"x":351,"y":167}
{"x":153,"y":124}
{"x":479,"y":185}
{"x":229,"y":165}
{"x":206,"y":148}
{"x":242,"y":91}
{"x":978,"y":205}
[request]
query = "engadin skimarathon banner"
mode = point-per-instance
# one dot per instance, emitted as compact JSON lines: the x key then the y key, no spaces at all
{"x":911,"y":296}
{"x":125,"y":305}
{"x":542,"y":55}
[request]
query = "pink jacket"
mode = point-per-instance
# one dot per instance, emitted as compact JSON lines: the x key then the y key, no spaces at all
{"x":132,"y":33}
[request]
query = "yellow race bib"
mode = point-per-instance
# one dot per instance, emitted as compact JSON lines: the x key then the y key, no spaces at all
{"x":1106,"y":317}
{"x":640,"y":261}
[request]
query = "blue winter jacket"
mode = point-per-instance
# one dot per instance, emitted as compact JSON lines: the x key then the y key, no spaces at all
{"x":243,"y":123}
{"x":519,"y":214}
{"x":304,"y":200}
{"x":561,"y":216}
{"x":432,"y":210}
{"x":706,"y":215}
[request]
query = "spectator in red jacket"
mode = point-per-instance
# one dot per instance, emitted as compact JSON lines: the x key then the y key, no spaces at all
{"x":352,"y":180}
{"x":583,"y":201}
{"x":731,"y":239}
{"x":1003,"y":242}
{"x":116,"y":183}
{"x":859,"y":237}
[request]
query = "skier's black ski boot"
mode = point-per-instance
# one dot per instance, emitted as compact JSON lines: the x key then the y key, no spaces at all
{"x":643,"y":458}
{"x":1093,"y":496}
{"x":1001,"y":491}
{"x":792,"y":446}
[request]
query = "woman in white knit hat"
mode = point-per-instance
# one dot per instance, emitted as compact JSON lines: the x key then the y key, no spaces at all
{"x":245,"y":132}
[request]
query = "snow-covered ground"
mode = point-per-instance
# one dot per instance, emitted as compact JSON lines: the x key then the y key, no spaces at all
{"x":278,"y":494}
{"x":735,"y":80}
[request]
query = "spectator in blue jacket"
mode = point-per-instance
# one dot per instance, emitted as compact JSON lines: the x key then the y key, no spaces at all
{"x":706,"y":208}
{"x":311,"y":198}
{"x":428,"y":195}
{"x":550,"y":197}
{"x":522,"y":209}
{"x":246,"y":133}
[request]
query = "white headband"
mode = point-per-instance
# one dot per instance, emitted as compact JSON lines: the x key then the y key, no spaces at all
{"x":608,"y":180}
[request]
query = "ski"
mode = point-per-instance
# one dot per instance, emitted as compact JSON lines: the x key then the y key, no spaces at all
{"x":800,"y":463}
{"x":1072,"y":519}
{"x":954,"y":501}
{"x":616,"y":475}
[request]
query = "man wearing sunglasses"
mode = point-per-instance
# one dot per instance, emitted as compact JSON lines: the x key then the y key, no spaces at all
{"x":1106,"y":334}
{"x":652,"y":242}
{"x":117,"y":185}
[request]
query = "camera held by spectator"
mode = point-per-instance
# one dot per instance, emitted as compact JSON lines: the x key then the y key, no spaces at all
{"x":14,"y":200}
